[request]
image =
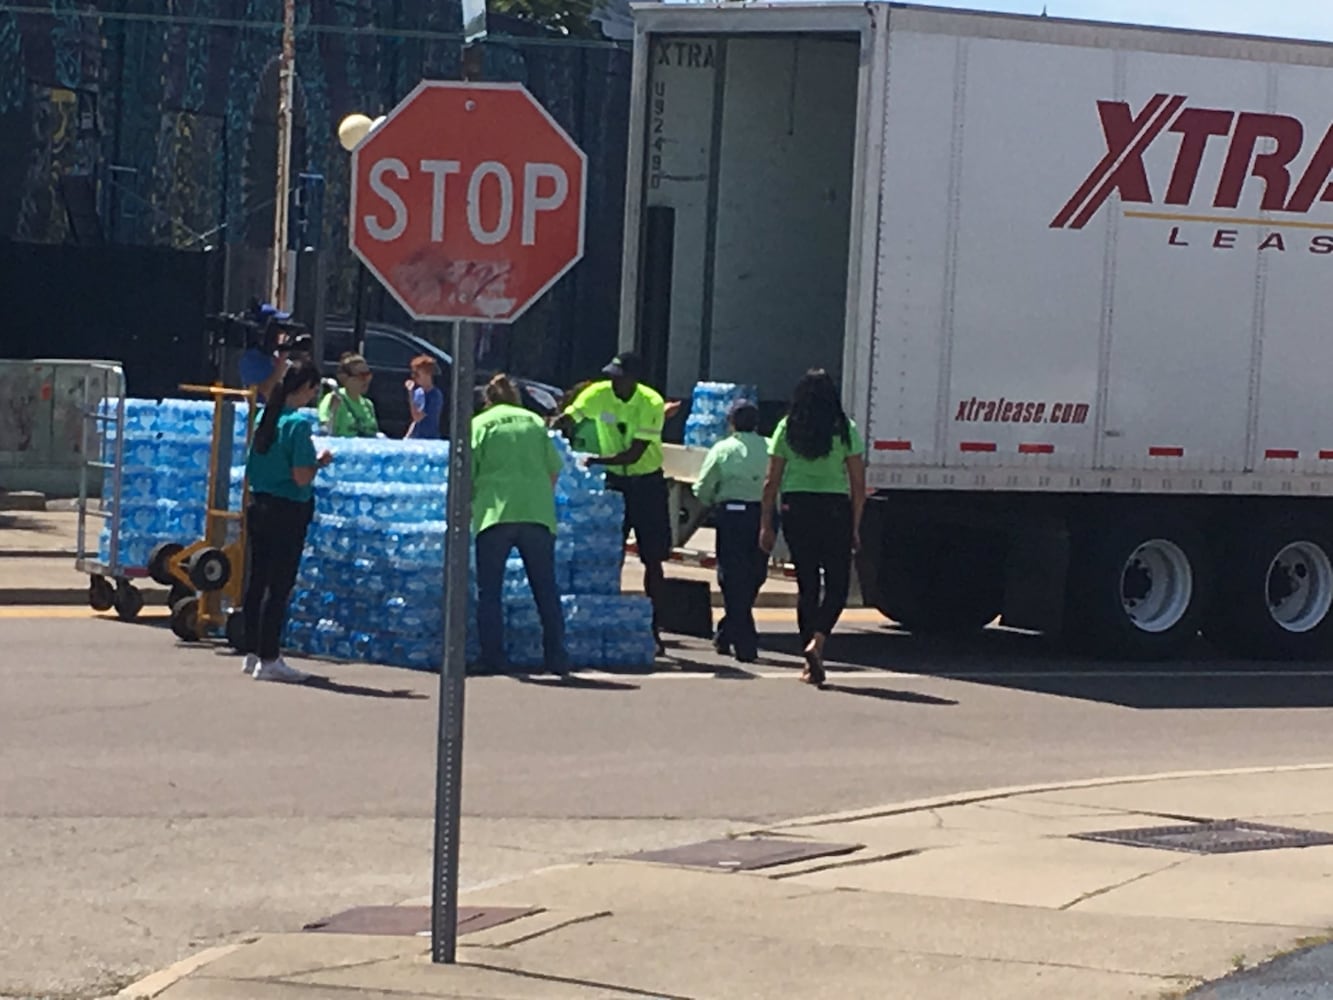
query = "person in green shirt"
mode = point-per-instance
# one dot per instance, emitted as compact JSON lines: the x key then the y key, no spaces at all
{"x":514,"y":469}
{"x":281,"y":472}
{"x":817,"y":464}
{"x":628,"y":417}
{"x":732,"y":483}
{"x":349,"y":412}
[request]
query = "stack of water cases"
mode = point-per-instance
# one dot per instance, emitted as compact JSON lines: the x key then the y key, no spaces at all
{"x":371,"y":584}
{"x":709,"y":406}
{"x":164,"y":474}
{"x":603,"y":627}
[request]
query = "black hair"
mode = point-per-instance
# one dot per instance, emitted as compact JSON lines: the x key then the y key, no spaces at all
{"x":745,"y":417}
{"x":816,"y":416}
{"x":299,"y":375}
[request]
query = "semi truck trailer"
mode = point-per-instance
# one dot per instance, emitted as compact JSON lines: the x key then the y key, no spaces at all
{"x":1075,"y":280}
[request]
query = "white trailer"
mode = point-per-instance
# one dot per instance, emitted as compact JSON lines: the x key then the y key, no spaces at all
{"x":1075,"y":280}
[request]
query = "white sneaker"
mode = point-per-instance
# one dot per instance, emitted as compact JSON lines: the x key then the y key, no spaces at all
{"x":251,"y":662}
{"x":278,"y":670}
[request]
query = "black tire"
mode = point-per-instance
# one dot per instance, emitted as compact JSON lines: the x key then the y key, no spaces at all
{"x":158,"y":560}
{"x":1271,"y":609}
{"x":128,"y":601}
{"x":1127,"y":599}
{"x":101,"y":595}
{"x":936,"y":581}
{"x":177,"y":594}
{"x":209,"y":570}
{"x":236,"y":630}
{"x":185,"y":619}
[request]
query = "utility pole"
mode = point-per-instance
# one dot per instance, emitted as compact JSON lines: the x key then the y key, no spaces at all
{"x":279,"y":289}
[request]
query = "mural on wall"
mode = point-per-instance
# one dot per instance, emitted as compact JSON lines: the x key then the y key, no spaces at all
{"x":170,"y":118}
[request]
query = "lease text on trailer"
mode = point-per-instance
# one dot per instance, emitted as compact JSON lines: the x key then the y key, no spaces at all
{"x":1272,"y":148}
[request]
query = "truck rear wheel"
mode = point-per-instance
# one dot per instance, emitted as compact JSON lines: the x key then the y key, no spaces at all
{"x":938,"y":581}
{"x":1138,"y":587}
{"x":1276,"y":596}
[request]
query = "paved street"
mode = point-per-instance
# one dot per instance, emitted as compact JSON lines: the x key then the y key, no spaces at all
{"x":154,"y":800}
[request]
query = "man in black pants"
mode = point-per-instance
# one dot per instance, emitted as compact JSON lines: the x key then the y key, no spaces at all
{"x":628,"y":416}
{"x":732,"y":483}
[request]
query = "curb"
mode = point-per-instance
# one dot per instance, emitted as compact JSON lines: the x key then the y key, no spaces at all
{"x":159,"y":982}
{"x":1012,"y":791}
{"x":65,"y":597}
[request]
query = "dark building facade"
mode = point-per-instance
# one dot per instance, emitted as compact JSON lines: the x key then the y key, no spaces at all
{"x":141,"y":130}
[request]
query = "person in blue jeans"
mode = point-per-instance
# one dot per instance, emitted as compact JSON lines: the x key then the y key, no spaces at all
{"x":514,"y":469}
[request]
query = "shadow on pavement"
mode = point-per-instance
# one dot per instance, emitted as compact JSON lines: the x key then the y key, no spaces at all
{"x":574,"y":682}
{"x":572,"y":981}
{"x":319,"y":683}
{"x":1028,"y":662}
{"x":888,"y":694}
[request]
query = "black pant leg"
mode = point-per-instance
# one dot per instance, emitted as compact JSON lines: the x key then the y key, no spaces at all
{"x":737,"y":548}
{"x":801,"y":529}
{"x":286,"y":543}
{"x":258,"y":521}
{"x":836,"y":559}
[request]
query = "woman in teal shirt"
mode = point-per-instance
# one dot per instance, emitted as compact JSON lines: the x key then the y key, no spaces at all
{"x":281,"y":472}
{"x":817,"y":463}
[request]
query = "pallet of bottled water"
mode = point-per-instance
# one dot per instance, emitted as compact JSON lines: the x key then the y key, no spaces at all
{"x":163,"y":473}
{"x":371,"y":584}
{"x":710,"y":405}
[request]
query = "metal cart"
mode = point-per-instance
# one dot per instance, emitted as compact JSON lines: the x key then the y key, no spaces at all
{"x":102,"y":447}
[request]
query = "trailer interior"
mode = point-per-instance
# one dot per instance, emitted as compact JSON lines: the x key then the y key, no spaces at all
{"x":745,"y":229}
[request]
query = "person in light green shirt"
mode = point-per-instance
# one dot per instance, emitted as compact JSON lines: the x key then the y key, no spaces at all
{"x":349,"y":412}
{"x":817,"y":464}
{"x":514,"y":469}
{"x":732,"y":483}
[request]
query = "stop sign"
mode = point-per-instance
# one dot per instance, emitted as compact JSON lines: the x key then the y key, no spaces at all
{"x":467,"y":201}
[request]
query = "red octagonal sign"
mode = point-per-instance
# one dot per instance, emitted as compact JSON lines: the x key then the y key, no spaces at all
{"x":467,"y":201}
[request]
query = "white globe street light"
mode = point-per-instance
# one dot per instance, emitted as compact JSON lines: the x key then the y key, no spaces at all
{"x":354,"y":128}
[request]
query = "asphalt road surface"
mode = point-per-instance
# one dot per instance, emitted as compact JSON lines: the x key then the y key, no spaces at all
{"x":154,"y":801}
{"x":1306,"y":975}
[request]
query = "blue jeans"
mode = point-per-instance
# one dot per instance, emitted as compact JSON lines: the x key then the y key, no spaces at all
{"x":536,"y":546}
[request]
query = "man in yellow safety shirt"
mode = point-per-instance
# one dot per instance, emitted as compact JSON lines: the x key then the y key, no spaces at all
{"x":628,"y":417}
{"x":732,"y":483}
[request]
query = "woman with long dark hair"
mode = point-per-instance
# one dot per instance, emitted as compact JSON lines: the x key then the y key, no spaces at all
{"x":281,"y":471}
{"x":817,"y":465}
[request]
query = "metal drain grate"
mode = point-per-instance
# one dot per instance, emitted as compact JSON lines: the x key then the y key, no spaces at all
{"x":1224,"y":836}
{"x":413,"y":921}
{"x":744,"y":855}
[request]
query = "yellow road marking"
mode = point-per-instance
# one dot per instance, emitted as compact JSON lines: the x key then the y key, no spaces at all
{"x":66,"y":611}
{"x":858,"y":616}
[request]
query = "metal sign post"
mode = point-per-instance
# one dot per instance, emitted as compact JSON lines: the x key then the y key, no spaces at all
{"x":438,"y":217}
{"x":449,"y":767}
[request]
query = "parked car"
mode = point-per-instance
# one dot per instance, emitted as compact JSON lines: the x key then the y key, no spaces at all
{"x":389,"y":351}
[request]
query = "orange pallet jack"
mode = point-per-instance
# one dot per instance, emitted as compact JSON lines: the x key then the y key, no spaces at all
{"x":207,"y":576}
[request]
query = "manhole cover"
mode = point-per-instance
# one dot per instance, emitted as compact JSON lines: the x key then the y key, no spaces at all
{"x":744,"y":855}
{"x":1224,"y":836}
{"x":410,"y":921}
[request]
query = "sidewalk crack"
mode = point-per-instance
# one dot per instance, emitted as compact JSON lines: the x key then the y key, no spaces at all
{"x":851,"y":863}
{"x":1120,"y":885}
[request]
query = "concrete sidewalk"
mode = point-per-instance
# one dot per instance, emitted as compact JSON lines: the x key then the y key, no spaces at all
{"x":37,"y":551}
{"x":974,"y":896}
